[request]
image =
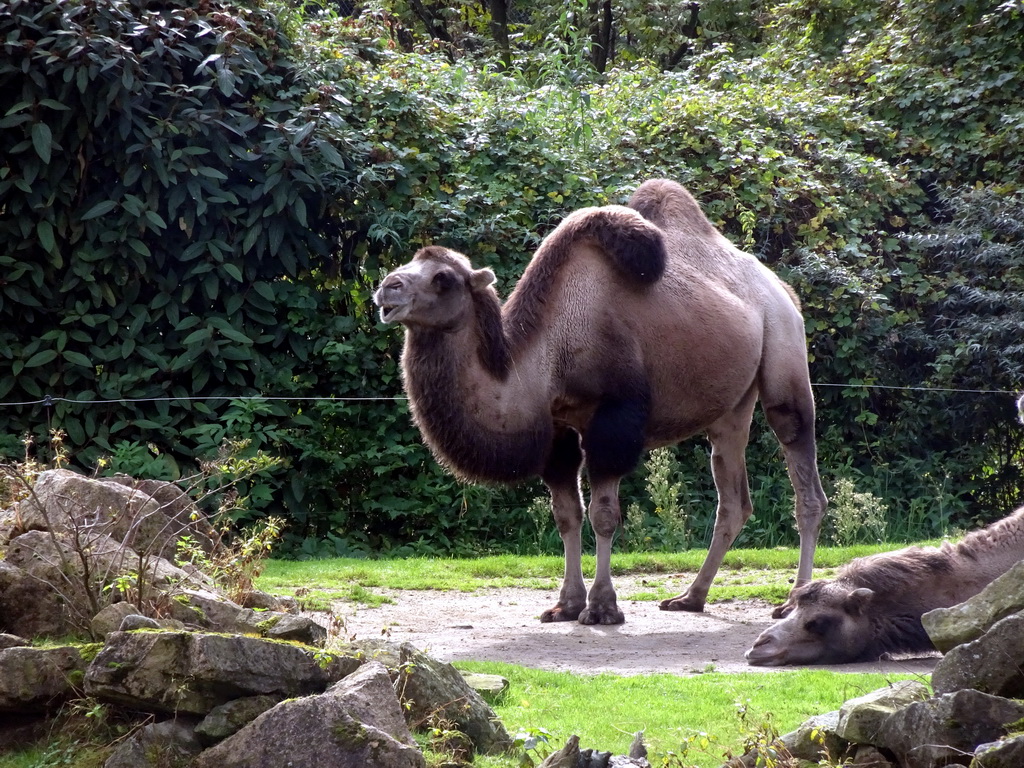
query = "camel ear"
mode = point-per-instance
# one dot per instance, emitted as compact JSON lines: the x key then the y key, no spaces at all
{"x":858,"y":600}
{"x":481,"y":278}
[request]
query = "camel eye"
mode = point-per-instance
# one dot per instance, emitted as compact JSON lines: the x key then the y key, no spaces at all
{"x":819,"y":625}
{"x":443,"y":280}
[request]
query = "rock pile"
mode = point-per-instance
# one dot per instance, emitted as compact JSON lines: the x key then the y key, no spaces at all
{"x":971,"y":718}
{"x":211,"y":683}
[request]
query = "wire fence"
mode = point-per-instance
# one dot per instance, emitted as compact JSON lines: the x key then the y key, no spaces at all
{"x":50,"y":400}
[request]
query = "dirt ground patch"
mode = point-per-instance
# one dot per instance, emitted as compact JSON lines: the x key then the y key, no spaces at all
{"x":503,"y":625}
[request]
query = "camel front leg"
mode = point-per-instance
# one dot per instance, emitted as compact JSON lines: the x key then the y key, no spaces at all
{"x":561,"y":475}
{"x":602,"y":606}
{"x":728,"y":465}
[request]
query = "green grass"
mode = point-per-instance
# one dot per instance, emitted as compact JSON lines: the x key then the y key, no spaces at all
{"x":698,"y":719}
{"x":746,"y":573}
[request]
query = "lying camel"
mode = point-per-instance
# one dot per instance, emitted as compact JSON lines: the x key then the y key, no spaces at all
{"x":875,"y":603}
{"x":631,"y":328}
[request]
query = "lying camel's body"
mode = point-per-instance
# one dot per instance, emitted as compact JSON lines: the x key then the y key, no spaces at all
{"x":626,"y":332}
{"x":875,"y":603}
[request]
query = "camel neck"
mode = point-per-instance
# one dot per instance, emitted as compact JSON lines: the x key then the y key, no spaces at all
{"x":484,"y":427}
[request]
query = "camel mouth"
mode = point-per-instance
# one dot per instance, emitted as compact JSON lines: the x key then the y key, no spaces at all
{"x":392,"y":313}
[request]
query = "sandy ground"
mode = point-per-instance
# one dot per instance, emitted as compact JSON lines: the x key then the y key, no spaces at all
{"x":503,"y":625}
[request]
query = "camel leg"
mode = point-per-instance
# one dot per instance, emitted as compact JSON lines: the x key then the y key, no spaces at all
{"x":613,"y":444}
{"x":728,"y":436}
{"x":792,"y":422}
{"x":561,"y":475}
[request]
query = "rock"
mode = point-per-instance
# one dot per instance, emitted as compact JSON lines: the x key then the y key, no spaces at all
{"x":188,"y":672}
{"x":29,"y":606}
{"x":136,"y":621}
{"x":285,"y":626}
{"x":53,"y":596}
{"x":950,"y":627}
{"x":262,"y":601}
{"x":994,"y":663}
{"x":38,"y":679}
{"x":12,"y":641}
{"x":868,"y":756}
{"x":206,"y":609}
{"x":816,"y":738}
{"x":492,"y":688}
{"x":941,"y":730}
{"x":860,"y":719}
{"x":227,"y":719}
{"x":1007,"y":753}
{"x":110,"y":618}
{"x":434,"y":689}
{"x":357,"y":723}
{"x":63,"y":500}
{"x":184,"y":517}
{"x":168,"y":744}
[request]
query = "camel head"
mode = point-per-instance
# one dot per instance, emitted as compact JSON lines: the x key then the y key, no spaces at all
{"x":828,"y":623}
{"x":435,"y":290}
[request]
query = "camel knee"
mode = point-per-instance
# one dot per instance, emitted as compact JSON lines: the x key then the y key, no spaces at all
{"x":792,"y":423}
{"x":605,"y":516}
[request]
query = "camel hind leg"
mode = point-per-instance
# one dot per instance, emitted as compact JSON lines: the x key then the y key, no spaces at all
{"x":728,"y":436}
{"x":792,"y":420}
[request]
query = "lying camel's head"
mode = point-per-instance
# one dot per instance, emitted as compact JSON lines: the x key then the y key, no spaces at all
{"x":434,"y":290}
{"x":827,"y":623}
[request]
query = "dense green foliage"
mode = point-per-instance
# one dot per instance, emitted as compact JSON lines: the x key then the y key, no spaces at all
{"x":196,"y":203}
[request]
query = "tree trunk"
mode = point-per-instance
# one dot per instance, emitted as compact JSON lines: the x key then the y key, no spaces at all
{"x":499,"y":30}
{"x":602,"y":35}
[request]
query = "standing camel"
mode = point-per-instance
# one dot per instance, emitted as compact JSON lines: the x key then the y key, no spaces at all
{"x":631,"y":328}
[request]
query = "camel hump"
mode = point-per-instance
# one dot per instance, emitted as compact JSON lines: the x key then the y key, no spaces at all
{"x":634,"y":246}
{"x":668,"y":205}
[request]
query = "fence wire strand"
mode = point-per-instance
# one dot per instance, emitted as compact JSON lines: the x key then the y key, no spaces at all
{"x":49,"y":400}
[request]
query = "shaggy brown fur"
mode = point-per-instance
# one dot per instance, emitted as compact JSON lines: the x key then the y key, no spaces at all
{"x":632,"y":327}
{"x":874,"y":605}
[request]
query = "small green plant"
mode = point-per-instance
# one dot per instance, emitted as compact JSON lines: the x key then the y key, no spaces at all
{"x":237,"y":560}
{"x":534,"y":740}
{"x":855,"y":517}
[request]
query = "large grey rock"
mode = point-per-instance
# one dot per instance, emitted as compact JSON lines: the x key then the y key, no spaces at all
{"x":28,"y":606}
{"x":1007,"y":753}
{"x":38,"y":679}
{"x":66,"y":501}
{"x":430,"y":689}
{"x":358,"y":723}
{"x":194,"y":672}
{"x":861,"y":719}
{"x":65,"y":595}
{"x":950,"y":627}
{"x":942,"y":730}
{"x":227,"y":719}
{"x":816,"y":738}
{"x":184,"y":517}
{"x":168,"y":744}
{"x":207,"y":609}
{"x":994,"y":663}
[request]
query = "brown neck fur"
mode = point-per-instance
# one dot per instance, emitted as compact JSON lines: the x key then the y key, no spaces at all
{"x":434,"y":371}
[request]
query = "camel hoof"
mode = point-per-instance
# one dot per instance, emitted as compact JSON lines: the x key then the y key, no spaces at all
{"x":559,"y":613}
{"x":606,"y":615}
{"x":682,"y":603}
